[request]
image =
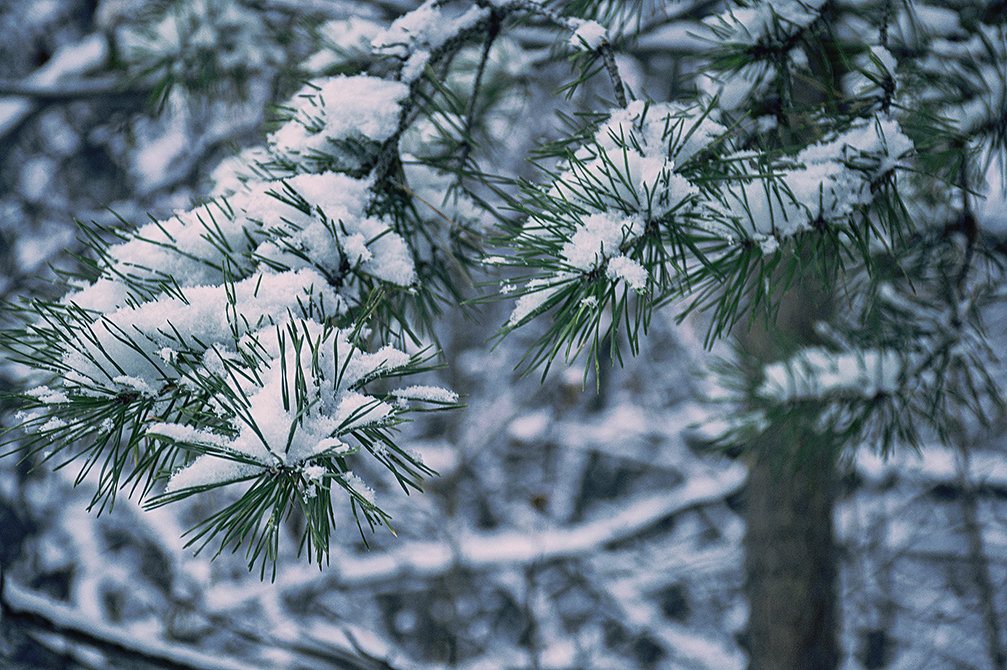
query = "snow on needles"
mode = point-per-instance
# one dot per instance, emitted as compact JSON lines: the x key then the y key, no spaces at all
{"x":628,"y":270}
{"x":221,"y":319}
{"x":827,"y":182}
{"x":589,"y":35}
{"x":600,"y":235}
{"x":638,"y":176}
{"x":435,"y":394}
{"x":306,"y":221}
{"x":629,"y":175}
{"x":539,"y":291}
{"x":288,"y":436}
{"x":271,"y":336}
{"x":326,"y":112}
{"x":415,"y":35}
{"x":126,"y":342}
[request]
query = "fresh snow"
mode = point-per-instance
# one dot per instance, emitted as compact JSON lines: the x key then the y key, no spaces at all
{"x":589,"y":35}
{"x":822,"y":184}
{"x":539,"y":292}
{"x":632,"y":174}
{"x":47,"y":395}
{"x":327,"y":111}
{"x":426,"y":393}
{"x":628,"y":270}
{"x":255,"y":275}
{"x":600,"y":235}
{"x":413,"y":36}
{"x":269,"y":434}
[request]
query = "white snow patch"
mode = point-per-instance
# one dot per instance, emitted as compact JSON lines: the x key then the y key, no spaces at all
{"x":47,"y":395}
{"x":530,"y":427}
{"x":339,"y":108}
{"x":589,"y":35}
{"x":539,"y":292}
{"x":426,"y":393}
{"x":415,"y":35}
{"x":625,"y":268}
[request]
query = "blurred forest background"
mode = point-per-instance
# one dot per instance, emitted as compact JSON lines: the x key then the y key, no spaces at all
{"x":569,"y":527}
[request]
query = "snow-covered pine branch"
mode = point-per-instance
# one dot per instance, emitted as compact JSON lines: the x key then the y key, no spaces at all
{"x":249,"y":342}
{"x":228,"y":344}
{"x":780,"y":171}
{"x":663,"y":204}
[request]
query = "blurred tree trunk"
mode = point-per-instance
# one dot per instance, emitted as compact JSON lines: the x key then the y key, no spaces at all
{"x":978,"y":561}
{"x":790,"y":557}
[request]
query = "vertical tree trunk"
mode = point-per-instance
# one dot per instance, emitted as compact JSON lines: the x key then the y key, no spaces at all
{"x":979,"y":563}
{"x":790,"y":559}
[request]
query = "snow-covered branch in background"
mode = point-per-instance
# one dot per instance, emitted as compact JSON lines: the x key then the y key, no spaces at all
{"x":199,"y":45}
{"x":71,"y":61}
{"x":660,"y":200}
{"x":816,"y":374}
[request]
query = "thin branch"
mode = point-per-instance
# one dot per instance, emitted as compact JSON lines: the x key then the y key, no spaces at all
{"x":54,"y":618}
{"x":480,"y":551}
{"x":608,"y":55}
{"x":470,"y":113}
{"x":572,"y":24}
{"x":386,"y":162}
{"x":307,"y":645}
{"x":69,"y":91}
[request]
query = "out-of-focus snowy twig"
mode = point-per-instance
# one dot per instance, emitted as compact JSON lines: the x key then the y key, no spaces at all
{"x":71,"y":60}
{"x":39,"y":612}
{"x":66,"y":91}
{"x":490,"y":550}
{"x":979,"y":564}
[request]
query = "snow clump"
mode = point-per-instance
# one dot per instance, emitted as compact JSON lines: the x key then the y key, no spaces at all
{"x":588,"y":35}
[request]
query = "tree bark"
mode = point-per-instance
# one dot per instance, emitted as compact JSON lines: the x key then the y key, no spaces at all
{"x":790,"y":559}
{"x":979,"y":563}
{"x":790,"y":556}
